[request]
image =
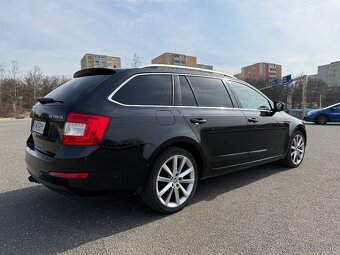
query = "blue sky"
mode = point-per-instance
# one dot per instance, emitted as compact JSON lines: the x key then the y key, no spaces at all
{"x":299,"y":34}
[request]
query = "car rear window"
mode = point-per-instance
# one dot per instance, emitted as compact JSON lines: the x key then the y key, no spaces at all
{"x":72,"y":90}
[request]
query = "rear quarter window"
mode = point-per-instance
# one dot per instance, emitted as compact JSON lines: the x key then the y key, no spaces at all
{"x":151,"y":89}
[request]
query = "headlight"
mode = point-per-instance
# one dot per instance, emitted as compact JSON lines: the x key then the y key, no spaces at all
{"x":309,"y":113}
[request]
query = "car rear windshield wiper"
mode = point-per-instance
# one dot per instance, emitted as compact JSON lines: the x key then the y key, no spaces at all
{"x":47,"y":100}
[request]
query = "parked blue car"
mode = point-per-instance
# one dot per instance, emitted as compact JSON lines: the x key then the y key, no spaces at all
{"x":322,"y":116}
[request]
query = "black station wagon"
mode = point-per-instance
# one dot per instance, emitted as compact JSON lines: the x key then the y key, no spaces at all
{"x":155,"y":130}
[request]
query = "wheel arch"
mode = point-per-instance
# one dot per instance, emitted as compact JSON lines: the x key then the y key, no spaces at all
{"x":299,"y":127}
{"x":192,"y":146}
{"x":302,"y":129}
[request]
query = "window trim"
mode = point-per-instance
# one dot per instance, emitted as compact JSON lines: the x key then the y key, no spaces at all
{"x":225,"y":82}
{"x":144,"y":105}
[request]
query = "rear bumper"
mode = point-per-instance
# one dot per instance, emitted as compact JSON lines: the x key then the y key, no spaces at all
{"x":103,"y":176}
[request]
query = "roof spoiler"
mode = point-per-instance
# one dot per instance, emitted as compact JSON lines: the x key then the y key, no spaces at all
{"x":94,"y":71}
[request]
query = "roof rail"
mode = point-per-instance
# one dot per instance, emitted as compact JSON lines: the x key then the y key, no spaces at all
{"x":187,"y":68}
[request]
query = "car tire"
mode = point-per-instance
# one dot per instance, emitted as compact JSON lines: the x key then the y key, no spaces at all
{"x":296,"y":150}
{"x":172,"y":181}
{"x":321,"y":119}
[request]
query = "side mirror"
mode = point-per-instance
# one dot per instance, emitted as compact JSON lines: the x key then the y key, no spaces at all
{"x":279,"y":106}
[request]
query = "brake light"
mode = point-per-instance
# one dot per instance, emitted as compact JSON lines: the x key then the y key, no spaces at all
{"x":84,"y":129}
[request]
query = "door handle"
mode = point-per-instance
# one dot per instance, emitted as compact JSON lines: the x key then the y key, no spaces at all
{"x":198,"y":121}
{"x":252,"y":120}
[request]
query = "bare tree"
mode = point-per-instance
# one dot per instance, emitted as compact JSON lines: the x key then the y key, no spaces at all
{"x":33,"y":80}
{"x":49,"y":83}
{"x":316,"y":92}
{"x":14,"y":75}
{"x":136,"y":62}
{"x":37,"y":76}
{"x":2,"y":76}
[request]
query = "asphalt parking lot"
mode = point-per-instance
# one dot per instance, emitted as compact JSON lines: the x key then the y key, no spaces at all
{"x":263,"y":210}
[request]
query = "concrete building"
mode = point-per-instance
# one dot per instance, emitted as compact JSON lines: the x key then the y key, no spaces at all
{"x":330,"y":73}
{"x":261,"y":71}
{"x":93,"y":60}
{"x":175,"y":59}
{"x":202,"y":66}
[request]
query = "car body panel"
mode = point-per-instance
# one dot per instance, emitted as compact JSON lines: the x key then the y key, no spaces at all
{"x":222,"y":127}
{"x":268,"y":136}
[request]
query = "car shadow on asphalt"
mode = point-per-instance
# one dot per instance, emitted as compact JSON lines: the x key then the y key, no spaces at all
{"x":36,"y":220}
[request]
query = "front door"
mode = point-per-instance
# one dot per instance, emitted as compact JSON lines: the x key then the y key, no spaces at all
{"x":268,"y":134}
{"x":268,"y":131}
{"x":335,"y":113}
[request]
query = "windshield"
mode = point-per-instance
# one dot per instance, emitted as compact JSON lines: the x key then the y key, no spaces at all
{"x":333,"y":105}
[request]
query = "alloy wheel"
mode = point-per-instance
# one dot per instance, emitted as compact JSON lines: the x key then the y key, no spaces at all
{"x":322,"y":119}
{"x":175,"y":181}
{"x":297,"y":149}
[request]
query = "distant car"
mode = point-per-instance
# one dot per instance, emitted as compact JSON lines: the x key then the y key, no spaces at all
{"x":322,"y":116}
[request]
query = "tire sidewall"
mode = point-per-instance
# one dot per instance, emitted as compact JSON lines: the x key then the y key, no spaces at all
{"x":290,"y":145}
{"x":154,"y":173}
{"x":320,"y":116}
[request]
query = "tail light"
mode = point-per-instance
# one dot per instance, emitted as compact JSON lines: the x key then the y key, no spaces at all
{"x":84,"y":129}
{"x":69,"y":175}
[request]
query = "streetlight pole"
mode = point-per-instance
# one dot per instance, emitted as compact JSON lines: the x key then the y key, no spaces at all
{"x":320,"y":100}
{"x":304,"y":94}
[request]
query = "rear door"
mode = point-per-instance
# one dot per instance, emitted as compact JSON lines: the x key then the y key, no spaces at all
{"x":208,"y":109}
{"x":268,"y":130}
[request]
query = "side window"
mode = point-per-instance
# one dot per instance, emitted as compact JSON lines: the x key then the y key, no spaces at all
{"x":146,"y":90}
{"x":249,"y":98}
{"x":210,"y":92}
{"x":188,"y":98}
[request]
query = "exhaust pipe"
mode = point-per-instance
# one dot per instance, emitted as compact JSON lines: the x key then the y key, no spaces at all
{"x":31,"y":179}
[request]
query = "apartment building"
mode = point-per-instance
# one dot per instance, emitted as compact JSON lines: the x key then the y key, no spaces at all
{"x":93,"y":60}
{"x":203,"y":66}
{"x":175,"y":59}
{"x":179,"y":60}
{"x":260,"y":71}
{"x":330,"y":73}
